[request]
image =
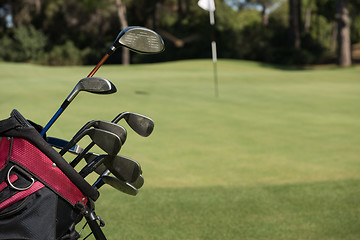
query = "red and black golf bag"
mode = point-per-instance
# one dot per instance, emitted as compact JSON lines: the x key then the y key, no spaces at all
{"x":41,"y":195}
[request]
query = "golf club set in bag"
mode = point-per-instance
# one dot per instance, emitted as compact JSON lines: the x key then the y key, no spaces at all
{"x":42,"y":196}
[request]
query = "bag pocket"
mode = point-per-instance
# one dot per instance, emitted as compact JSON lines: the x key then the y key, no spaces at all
{"x":27,"y":207}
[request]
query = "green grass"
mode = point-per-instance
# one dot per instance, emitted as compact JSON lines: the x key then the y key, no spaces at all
{"x":276,"y":156}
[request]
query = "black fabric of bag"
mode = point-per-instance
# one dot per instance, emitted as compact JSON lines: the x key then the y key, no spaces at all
{"x":43,"y":214}
{"x":32,"y":218}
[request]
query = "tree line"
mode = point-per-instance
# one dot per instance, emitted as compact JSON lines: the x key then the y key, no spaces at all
{"x":290,"y":32}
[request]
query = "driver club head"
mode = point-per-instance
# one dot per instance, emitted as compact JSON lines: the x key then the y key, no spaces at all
{"x":139,"y":39}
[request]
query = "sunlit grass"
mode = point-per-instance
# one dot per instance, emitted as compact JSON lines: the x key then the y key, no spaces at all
{"x":275,"y":156}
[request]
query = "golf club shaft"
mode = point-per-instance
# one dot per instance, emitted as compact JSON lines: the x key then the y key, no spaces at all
{"x":78,"y":158}
{"x":91,"y":166}
{"x":60,"y":143}
{"x":56,"y":116}
{"x":99,"y":182}
{"x":98,"y":65}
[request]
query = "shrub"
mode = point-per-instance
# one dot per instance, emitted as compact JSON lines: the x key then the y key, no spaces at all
{"x":23,"y":44}
{"x":66,"y":54}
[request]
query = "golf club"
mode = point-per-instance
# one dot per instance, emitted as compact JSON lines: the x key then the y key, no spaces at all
{"x":107,"y":141}
{"x":100,"y":169}
{"x":98,"y":124}
{"x":123,"y":168}
{"x":129,"y":171}
{"x":138,"y":39}
{"x":142,"y":125}
{"x":120,"y":185}
{"x":89,"y":84}
{"x":117,"y":184}
{"x":108,"y":126}
{"x":138,"y":183}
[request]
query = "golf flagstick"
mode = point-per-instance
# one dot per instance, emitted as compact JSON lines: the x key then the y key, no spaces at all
{"x":209,"y":5}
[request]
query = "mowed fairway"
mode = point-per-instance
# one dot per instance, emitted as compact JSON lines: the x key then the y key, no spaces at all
{"x":275,"y":157}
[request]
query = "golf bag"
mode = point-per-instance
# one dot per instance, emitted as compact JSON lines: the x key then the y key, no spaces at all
{"x":41,"y":195}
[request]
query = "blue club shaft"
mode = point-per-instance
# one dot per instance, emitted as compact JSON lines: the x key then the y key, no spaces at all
{"x":56,"y":116}
{"x":51,"y":122}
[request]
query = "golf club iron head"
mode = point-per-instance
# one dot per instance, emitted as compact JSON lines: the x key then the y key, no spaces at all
{"x":123,"y":168}
{"x":120,"y":185}
{"x":139,"y":39}
{"x":107,"y":141}
{"x":138,"y":183}
{"x":100,"y":125}
{"x":141,"y":124}
{"x":108,"y":126}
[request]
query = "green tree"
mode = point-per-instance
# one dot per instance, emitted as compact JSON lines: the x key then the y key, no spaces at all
{"x":26,"y":45}
{"x":264,"y":5}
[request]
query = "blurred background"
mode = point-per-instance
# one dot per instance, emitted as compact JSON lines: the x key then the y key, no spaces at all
{"x":290,"y":32}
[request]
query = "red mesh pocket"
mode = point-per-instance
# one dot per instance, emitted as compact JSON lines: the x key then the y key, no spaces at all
{"x":4,"y":151}
{"x":32,"y":159}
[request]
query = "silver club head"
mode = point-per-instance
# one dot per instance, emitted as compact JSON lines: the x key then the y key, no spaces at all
{"x":93,"y":85}
{"x":139,"y":39}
